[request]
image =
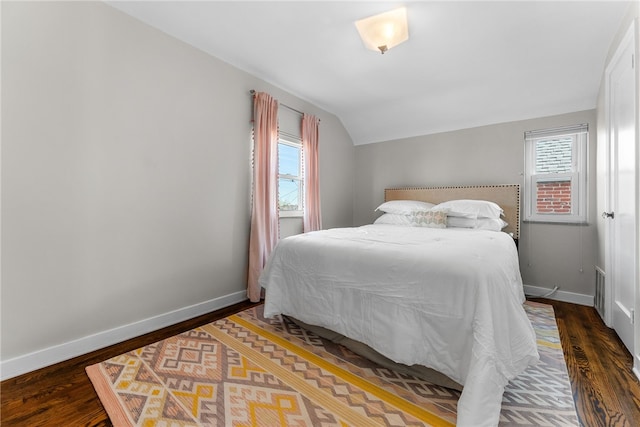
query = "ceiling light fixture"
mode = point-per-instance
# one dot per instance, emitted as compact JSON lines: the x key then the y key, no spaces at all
{"x":384,"y":31}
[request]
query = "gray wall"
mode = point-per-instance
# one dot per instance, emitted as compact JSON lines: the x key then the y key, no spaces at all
{"x":550,"y":254}
{"x":126,"y":176}
{"x":126,"y":173}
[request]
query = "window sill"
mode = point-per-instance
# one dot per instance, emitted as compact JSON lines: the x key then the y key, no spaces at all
{"x":540,"y":221}
{"x":291,"y":214}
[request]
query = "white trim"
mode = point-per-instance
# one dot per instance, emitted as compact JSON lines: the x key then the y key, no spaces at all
{"x":636,"y":357}
{"x":572,"y":297}
{"x":290,"y":214}
{"x":58,"y":353}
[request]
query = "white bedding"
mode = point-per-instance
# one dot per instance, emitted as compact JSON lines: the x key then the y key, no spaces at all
{"x":448,"y":299}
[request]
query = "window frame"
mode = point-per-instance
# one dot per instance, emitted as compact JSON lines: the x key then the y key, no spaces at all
{"x":296,"y":142}
{"x":578,"y":176}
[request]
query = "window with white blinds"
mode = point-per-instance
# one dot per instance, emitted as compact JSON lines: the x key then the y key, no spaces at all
{"x":555,"y":188}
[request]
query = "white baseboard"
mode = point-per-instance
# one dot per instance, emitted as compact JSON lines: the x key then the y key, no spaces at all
{"x":559,"y":295}
{"x":52,"y":355}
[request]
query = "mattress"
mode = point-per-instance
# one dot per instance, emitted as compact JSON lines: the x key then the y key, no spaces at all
{"x":447,"y":299}
{"x":418,"y":371}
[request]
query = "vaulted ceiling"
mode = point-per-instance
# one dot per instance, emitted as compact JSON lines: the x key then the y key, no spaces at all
{"x":465,"y":64}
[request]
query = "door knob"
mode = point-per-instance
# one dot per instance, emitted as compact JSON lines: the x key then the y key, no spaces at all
{"x":606,"y":215}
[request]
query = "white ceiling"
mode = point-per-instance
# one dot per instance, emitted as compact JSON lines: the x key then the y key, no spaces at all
{"x":465,"y":64}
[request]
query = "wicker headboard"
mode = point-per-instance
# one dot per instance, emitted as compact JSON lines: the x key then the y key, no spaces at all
{"x":505,"y":195}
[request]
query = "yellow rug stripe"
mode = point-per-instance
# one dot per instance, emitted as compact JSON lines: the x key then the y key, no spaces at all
{"x":387,"y":396}
{"x":342,"y":410}
{"x":550,"y":344}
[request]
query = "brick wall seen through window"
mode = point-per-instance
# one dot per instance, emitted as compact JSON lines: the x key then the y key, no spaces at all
{"x":553,"y":197}
{"x":553,"y":156}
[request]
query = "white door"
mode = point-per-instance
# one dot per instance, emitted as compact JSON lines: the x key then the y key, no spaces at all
{"x":622,"y":191}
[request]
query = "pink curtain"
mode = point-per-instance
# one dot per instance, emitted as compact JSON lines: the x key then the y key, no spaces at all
{"x":312,"y":220}
{"x":264,"y":211}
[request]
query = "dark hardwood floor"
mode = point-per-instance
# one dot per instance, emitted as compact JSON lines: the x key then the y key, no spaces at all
{"x":605,"y":390}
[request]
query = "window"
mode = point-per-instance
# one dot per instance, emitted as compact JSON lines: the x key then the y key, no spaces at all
{"x":290,"y":191}
{"x":556,"y":175}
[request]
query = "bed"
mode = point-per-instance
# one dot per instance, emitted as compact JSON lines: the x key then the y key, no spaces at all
{"x":446,"y":301}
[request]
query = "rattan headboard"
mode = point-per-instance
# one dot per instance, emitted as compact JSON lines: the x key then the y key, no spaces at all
{"x":505,"y":195}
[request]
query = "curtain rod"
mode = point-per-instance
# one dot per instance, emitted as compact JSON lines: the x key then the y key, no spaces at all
{"x":253,"y":92}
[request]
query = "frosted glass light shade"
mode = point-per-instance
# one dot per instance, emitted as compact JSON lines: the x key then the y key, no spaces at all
{"x":384,"y":31}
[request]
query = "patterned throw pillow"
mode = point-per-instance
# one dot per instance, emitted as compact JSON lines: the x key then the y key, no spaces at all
{"x":432,"y":219}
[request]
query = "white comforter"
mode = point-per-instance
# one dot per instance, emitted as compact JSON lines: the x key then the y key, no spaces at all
{"x":448,"y":299}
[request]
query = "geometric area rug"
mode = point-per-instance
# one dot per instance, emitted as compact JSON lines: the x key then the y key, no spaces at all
{"x":245,"y":370}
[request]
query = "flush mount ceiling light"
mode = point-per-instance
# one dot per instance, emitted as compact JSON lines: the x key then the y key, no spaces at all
{"x":384,"y":31}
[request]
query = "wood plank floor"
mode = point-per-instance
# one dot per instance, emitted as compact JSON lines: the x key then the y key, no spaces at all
{"x":605,"y":390}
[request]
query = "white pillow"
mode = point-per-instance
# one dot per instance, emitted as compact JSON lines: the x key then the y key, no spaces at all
{"x":404,"y":207}
{"x":461,"y":222}
{"x":459,"y":214}
{"x":464,"y":208}
{"x":393,"y":219}
{"x":491,"y":224}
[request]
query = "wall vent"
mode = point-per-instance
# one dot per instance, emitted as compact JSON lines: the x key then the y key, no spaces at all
{"x":599,"y":299}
